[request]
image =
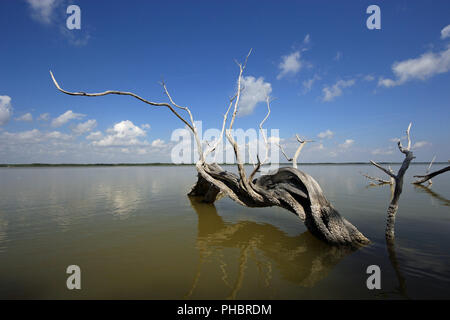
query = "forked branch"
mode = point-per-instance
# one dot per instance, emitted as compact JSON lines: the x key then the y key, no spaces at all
{"x":297,"y":152}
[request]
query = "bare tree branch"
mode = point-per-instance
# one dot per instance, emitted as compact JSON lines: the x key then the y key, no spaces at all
{"x":266,"y":144}
{"x":156,"y":104}
{"x":219,"y":139}
{"x":427,"y":177}
{"x":408,"y":148}
{"x":379,"y":180}
{"x":389,"y":173}
{"x":299,"y":149}
{"x":284,"y":153}
{"x":297,"y":152}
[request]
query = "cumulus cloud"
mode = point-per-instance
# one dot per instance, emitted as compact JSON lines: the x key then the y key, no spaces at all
{"x":27,"y":117}
{"x":44,"y":117}
{"x":158,"y":143}
{"x":85,"y":126}
{"x":426,"y":66}
{"x":445,"y":32}
{"x":124,"y":133}
{"x":145,"y":126}
{"x":382,"y":151}
{"x":42,"y":10}
{"x":33,"y":136}
{"x":307,"y":39}
{"x":330,"y":93}
{"x":328,"y":134}
{"x":290,"y":64}
{"x":66,"y":117}
{"x":5,"y":109}
{"x":255,"y":91}
{"x":421,"y":144}
{"x":97,"y":135}
{"x":307,"y":84}
{"x":347,"y":143}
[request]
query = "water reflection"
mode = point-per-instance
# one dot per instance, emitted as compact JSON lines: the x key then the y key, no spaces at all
{"x":301,"y":259}
{"x":391,"y":249}
{"x":433,"y":194}
{"x":3,"y":234}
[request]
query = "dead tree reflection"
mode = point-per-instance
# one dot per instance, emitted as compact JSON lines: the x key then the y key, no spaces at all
{"x":301,"y":259}
{"x":426,"y":189}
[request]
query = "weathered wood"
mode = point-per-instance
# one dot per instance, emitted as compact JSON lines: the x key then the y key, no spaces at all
{"x":293,"y":190}
{"x":378,"y":180}
{"x":425,"y":178}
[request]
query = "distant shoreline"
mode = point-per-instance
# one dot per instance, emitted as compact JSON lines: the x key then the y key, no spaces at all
{"x":157,"y":164}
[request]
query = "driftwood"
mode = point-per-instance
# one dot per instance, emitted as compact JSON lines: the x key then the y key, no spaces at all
{"x":379,"y":181}
{"x":398,"y":183}
{"x":428,"y":176}
{"x":288,"y":188}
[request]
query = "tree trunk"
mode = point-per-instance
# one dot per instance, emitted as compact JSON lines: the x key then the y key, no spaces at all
{"x":288,"y":188}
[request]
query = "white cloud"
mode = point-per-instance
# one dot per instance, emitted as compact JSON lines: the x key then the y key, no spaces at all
{"x":142,"y":151}
{"x":369,"y":77}
{"x":255,"y":91}
{"x":397,"y":139}
{"x":307,"y":84}
{"x":57,"y":135}
{"x":328,"y":134}
{"x":426,"y":66}
{"x":33,"y":136}
{"x":27,"y":117}
{"x":158,"y":143}
{"x":5,"y":109}
{"x":124,"y":133}
{"x":307,"y":39}
{"x":338,"y":56}
{"x":421,"y":144}
{"x":290,"y":64}
{"x":44,"y":117}
{"x":329,"y":93}
{"x":382,"y":151}
{"x":347,"y":144}
{"x":145,"y":126}
{"x":42,"y":10}
{"x":445,"y":32}
{"x":85,"y":126}
{"x":66,"y":117}
{"x":97,"y":135}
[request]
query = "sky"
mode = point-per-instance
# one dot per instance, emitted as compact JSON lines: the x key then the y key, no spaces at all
{"x":351,"y":89}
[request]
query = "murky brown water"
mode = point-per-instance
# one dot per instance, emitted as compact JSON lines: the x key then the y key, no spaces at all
{"x":136,"y":235}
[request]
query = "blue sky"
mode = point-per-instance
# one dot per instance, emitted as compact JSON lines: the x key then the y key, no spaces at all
{"x":351,"y":89}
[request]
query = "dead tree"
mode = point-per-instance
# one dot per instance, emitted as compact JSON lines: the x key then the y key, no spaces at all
{"x":398,"y":182}
{"x":288,"y":188}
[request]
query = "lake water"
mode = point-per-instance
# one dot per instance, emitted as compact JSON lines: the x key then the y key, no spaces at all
{"x":136,"y":235}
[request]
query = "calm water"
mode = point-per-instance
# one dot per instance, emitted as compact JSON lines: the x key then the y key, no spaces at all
{"x":135,"y":234}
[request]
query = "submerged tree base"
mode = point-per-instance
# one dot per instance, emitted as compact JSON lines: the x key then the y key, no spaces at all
{"x":288,"y":188}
